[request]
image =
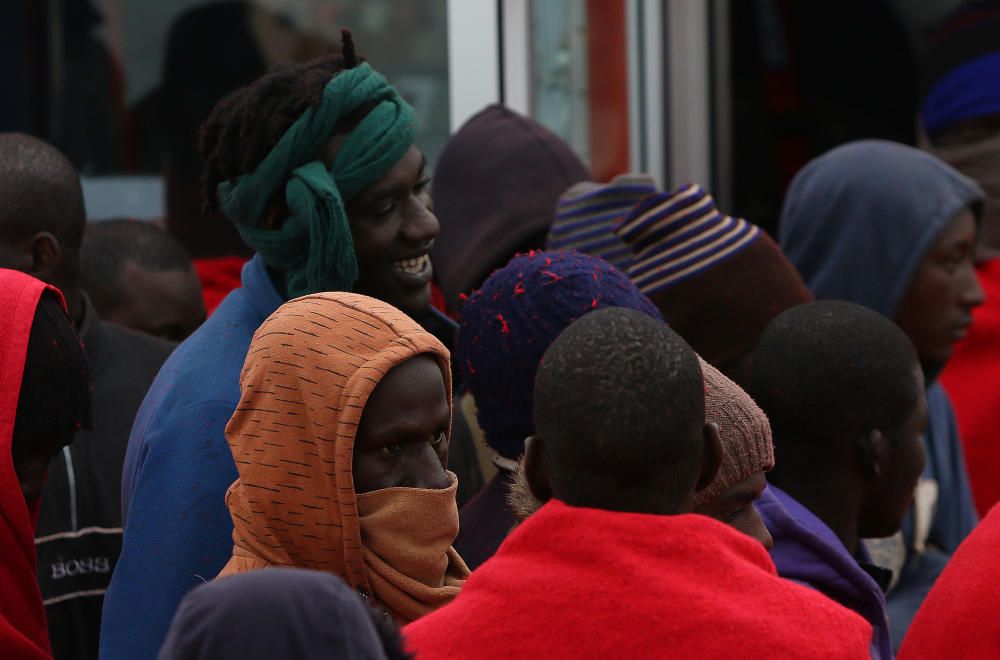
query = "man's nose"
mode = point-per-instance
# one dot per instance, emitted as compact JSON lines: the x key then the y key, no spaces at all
{"x":428,"y":471}
{"x":422,"y":225}
{"x":972,"y":290}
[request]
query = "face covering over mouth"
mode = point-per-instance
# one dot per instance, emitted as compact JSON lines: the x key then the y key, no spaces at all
{"x":309,"y":373}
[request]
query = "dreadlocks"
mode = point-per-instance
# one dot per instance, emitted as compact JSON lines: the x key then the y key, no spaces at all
{"x":247,"y":123}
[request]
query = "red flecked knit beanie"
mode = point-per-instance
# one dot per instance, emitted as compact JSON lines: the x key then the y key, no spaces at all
{"x":747,"y":447}
{"x":506,"y":326}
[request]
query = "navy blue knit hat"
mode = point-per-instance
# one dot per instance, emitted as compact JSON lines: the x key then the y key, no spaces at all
{"x":960,"y":77}
{"x":507,"y":325}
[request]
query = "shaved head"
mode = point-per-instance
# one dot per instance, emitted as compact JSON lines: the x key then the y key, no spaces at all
{"x":41,"y":214}
{"x":39,"y":191}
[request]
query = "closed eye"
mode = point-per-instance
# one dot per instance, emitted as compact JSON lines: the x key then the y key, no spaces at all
{"x":730,"y":516}
{"x":422,"y":185}
{"x":386,"y":208}
{"x":392,"y":450}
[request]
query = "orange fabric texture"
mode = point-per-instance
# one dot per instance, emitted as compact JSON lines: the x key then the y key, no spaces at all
{"x":309,"y":372}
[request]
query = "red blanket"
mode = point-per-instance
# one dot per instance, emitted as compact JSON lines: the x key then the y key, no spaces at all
{"x":219,"y":276}
{"x":574,"y":583}
{"x":972,"y":379}
{"x":960,"y":617}
{"x":23,"y":632}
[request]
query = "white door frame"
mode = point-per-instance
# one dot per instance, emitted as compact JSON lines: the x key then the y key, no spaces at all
{"x":473,"y":58}
{"x":669,"y":77}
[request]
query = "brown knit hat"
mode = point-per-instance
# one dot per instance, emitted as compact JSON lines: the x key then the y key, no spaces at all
{"x":746,"y":434}
{"x":718,"y":280}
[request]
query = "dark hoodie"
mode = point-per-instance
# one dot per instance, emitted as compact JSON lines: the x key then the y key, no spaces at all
{"x":495,"y":191}
{"x":857,"y":223}
{"x":273,"y":613}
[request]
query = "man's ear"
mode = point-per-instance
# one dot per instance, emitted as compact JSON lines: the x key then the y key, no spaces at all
{"x":873,"y":451}
{"x":46,"y":256}
{"x":711,"y":456}
{"x":535,"y":468}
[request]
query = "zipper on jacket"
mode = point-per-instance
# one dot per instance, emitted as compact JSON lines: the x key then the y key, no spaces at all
{"x":71,"y":479}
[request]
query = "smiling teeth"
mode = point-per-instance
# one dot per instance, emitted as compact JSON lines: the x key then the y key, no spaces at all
{"x":412,"y":266}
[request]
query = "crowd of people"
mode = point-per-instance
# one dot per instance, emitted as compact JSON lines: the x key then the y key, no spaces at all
{"x":513,"y":412}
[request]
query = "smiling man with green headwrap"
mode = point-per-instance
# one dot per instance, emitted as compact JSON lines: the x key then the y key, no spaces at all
{"x":316,"y":166}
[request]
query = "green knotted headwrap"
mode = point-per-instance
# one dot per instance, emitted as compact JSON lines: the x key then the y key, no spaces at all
{"x":314,"y":247}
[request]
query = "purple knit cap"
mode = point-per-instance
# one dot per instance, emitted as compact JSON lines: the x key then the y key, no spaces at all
{"x":507,"y":325}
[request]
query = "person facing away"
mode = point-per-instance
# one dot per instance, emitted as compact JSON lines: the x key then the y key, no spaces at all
{"x":718,"y":280}
{"x":497,"y":361}
{"x":78,"y":535}
{"x":844,"y":391}
{"x":747,"y":455}
{"x":341,"y":442}
{"x":504,"y":329}
{"x":280,"y":613}
{"x":610,"y":566}
{"x":894,"y":229}
{"x":960,"y":116}
{"x":140,"y":277}
{"x":44,"y":401}
{"x":316,"y":166}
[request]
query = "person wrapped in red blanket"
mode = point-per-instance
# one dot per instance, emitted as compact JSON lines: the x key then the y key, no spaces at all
{"x":959,"y":618}
{"x":614,"y":565}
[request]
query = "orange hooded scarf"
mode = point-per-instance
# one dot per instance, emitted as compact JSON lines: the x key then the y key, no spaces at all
{"x":307,"y":377}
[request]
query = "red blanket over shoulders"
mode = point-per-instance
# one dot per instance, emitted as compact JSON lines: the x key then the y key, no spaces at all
{"x":960,"y":617}
{"x":23,"y":632}
{"x":577,"y":583}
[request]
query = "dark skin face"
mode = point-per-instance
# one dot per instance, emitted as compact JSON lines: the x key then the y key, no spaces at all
{"x":402,"y":439}
{"x":895,"y":462}
{"x":394,"y":227}
{"x":734,"y":507}
{"x":936,"y":309}
{"x":968,"y":131}
{"x":165,"y":304}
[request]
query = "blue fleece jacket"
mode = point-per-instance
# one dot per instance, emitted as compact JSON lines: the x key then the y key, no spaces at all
{"x":178,"y":532}
{"x":857,"y":223}
{"x":807,"y":551}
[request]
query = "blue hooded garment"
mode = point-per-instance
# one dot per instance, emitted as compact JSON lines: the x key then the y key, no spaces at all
{"x":178,"y":532}
{"x":274,"y":613}
{"x":807,"y":551}
{"x":857,"y":223}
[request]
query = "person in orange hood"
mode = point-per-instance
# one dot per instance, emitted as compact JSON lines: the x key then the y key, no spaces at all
{"x":341,"y":442}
